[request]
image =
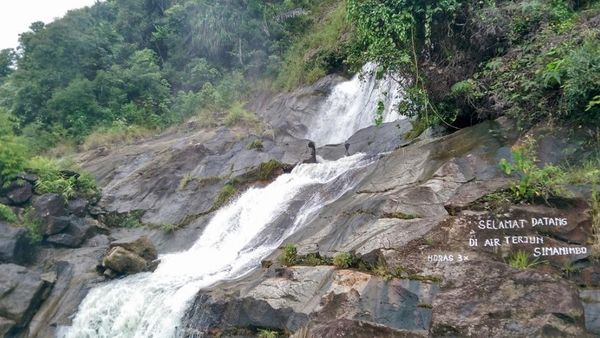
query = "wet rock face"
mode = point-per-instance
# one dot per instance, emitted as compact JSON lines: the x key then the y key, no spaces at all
{"x":176,"y":177}
{"x":129,"y":256}
{"x":21,"y":293}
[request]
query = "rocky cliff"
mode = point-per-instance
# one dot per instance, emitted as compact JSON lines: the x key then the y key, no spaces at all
{"x":429,"y":250}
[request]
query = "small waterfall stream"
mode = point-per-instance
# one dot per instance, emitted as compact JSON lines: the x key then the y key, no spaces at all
{"x":234,"y":242}
{"x":352,"y":105}
{"x":240,"y":234}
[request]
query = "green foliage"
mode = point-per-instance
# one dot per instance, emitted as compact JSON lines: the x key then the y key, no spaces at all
{"x":264,"y":333}
{"x":51,"y":179}
{"x":522,"y":260}
{"x":313,"y":259}
{"x":32,"y":225}
{"x":534,"y":182}
{"x":225,"y":195}
{"x":343,"y":260}
{"x":6,"y":214}
{"x":319,"y":51}
{"x":255,"y":144}
{"x":13,"y":153}
{"x":144,"y":63}
{"x":131,"y":219}
{"x":268,"y":170}
{"x":238,"y":115}
{"x":289,"y":255}
{"x":184,"y":181}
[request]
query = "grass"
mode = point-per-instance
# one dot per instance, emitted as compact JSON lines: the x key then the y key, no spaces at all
{"x":32,"y":225}
{"x":399,"y":215}
{"x":264,"y":333}
{"x":268,"y":170}
{"x":131,"y":219}
{"x":289,"y":255}
{"x":166,"y":227}
{"x":255,"y":145}
{"x":311,"y":57}
{"x":522,"y":260}
{"x":184,"y":181}
{"x":224,"y":196}
{"x":586,"y":173}
{"x":6,"y":214}
{"x":201,"y":181}
{"x":115,"y":135}
{"x":238,"y":115}
{"x":343,"y":260}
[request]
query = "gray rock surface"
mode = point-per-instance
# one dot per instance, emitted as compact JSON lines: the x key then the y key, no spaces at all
{"x":15,"y":246}
{"x":301,"y":296}
{"x":371,"y":140}
{"x":21,"y":293}
{"x":175,"y":177}
{"x":18,"y":192}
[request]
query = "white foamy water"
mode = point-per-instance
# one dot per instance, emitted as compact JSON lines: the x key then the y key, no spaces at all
{"x":234,"y":242}
{"x":352,"y":105}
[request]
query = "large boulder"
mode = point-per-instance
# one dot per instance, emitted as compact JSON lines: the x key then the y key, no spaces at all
{"x":123,"y":261}
{"x":49,"y":204}
{"x":18,"y":192}
{"x":21,"y":293}
{"x":130,"y":256}
{"x":15,"y":246}
{"x":141,"y":246}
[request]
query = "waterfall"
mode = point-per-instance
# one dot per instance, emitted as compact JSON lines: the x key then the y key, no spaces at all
{"x":234,"y":242}
{"x":352,"y":105}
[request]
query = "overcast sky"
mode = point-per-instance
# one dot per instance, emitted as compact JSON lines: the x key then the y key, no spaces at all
{"x":17,"y":15}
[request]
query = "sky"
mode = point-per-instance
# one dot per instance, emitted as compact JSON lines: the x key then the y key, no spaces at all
{"x":17,"y":15}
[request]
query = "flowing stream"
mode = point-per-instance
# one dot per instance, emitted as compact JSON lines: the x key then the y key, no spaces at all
{"x":233,"y":243}
{"x":240,"y":234}
{"x":352,"y":105}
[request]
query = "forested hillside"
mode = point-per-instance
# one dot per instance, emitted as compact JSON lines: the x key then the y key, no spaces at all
{"x":127,"y":68}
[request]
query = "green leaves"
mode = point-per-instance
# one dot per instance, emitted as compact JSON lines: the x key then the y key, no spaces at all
{"x":534,"y":182}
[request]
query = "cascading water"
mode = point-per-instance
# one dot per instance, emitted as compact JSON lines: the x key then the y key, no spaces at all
{"x":352,"y":105}
{"x":232,"y":244}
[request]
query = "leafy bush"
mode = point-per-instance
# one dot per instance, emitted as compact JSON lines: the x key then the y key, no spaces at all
{"x":12,"y":158}
{"x":581,"y":83}
{"x":534,"y":182}
{"x":289,"y":255}
{"x":343,"y":260}
{"x":51,"y":179}
{"x":264,"y":333}
{"x":13,"y":153}
{"x":522,"y":260}
{"x":6,"y":214}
